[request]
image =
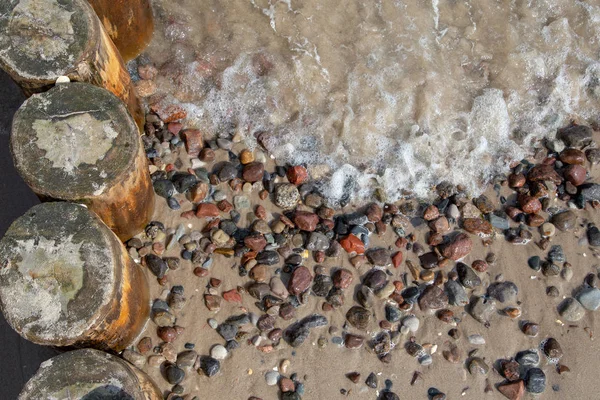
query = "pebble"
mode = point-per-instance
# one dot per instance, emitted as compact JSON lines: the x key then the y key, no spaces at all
{"x":552,"y":349}
{"x":535,"y":381}
{"x":528,"y":358}
{"x":272,"y":377}
{"x":209,"y":366}
{"x":482,"y":309}
{"x":300,"y":280}
{"x":476,"y":339}
{"x":458,"y":248}
{"x":468,"y":278}
{"x":512,"y":390}
{"x":156,"y":265}
{"x":358,"y":317}
{"x":372,"y":381}
{"x":565,"y":221}
{"x":457,"y":296}
{"x":218,"y":352}
{"x":478,"y":366}
{"x":174,"y":374}
{"x":433,"y":298}
{"x":503,"y":291}
{"x":287,"y":196}
{"x":589,"y":298}
{"x":593,"y":235}
{"x":411,"y":322}
{"x":571,"y":310}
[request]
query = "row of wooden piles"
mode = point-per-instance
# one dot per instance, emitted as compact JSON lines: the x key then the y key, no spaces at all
{"x":66,"y":279}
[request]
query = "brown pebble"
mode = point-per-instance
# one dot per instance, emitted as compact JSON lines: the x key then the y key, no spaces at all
{"x":342,"y":278}
{"x":287,"y":385}
{"x":353,"y":376}
{"x":354,"y":341}
{"x":193,"y":141}
{"x":167,"y":334}
{"x":207,"y":154}
{"x":516,"y":180}
{"x":446,"y":316}
{"x":572,"y":156}
{"x":431,"y":213}
{"x":144,"y":345}
{"x":531,"y":329}
{"x":575,"y":174}
{"x":479,"y":266}
{"x":512,"y":390}
{"x":253,"y":172}
{"x":510,"y":369}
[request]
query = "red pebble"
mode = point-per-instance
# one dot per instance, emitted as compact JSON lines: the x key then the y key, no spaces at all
{"x":297,"y":175}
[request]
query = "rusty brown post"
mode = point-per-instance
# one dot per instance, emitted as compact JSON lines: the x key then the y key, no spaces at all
{"x":89,"y":374}
{"x":77,"y":142}
{"x":129,"y":23}
{"x":66,"y":280}
{"x":42,"y":40}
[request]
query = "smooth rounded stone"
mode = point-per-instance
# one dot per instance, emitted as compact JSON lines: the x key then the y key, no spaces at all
{"x":571,"y":310}
{"x":163,"y":318}
{"x":317,"y":242}
{"x":478,"y":366}
{"x":259,"y":290}
{"x":386,"y":291}
{"x":271,"y":378}
{"x":565,"y":221}
{"x":164,"y":188}
{"x":552,"y":349}
{"x":375,"y":279}
{"x":528,"y":358}
{"x":535,"y":263}
{"x":174,"y":374}
{"x":365,"y":297}
{"x":535,"y":381}
{"x":429,"y":260}
{"x":593,"y":235}
{"x":531,"y":329}
{"x":358,"y":317}
{"x":566,"y":273}
{"x":476,"y":339}
{"x":460,"y":246}
{"x":550,"y":269}
{"x":322,"y":284}
{"x":379,"y":257}
{"x":268,"y":257}
{"x":209,"y":366}
{"x":218,"y":352}
{"x":453,"y":212}
{"x":392,"y":313}
{"x":411,"y":294}
{"x":467,"y":277}
{"x":353,"y":341}
{"x":300,"y":280}
{"x":156,"y":265}
{"x":548,"y":229}
{"x":425,"y":360}
{"x":503,"y":291}
{"x":589,"y":298}
{"x":556,"y":254}
{"x":287,"y":196}
{"x":457,"y":296}
{"x":433,"y":298}
{"x":412,"y":323}
{"x":227,"y":172}
{"x":278,"y":287}
{"x":482,"y":309}
{"x":227,"y":331}
{"x":186,"y":358}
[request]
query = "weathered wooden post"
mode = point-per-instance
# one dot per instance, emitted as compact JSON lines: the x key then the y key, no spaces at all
{"x":77,"y":142}
{"x":129,"y":23}
{"x":89,"y":374}
{"x":67,"y":280}
{"x":41,"y":40}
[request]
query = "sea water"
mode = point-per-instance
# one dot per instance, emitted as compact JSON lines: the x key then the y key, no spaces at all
{"x":395,"y":95}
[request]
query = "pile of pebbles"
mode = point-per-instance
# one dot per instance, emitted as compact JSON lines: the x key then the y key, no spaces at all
{"x":214,"y":185}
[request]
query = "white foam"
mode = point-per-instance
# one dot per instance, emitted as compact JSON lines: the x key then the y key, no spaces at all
{"x":391,"y":95}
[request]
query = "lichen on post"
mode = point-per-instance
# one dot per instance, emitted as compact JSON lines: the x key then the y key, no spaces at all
{"x":129,"y":23}
{"x":77,"y":142}
{"x":67,"y":280}
{"x":42,"y":40}
{"x":89,"y":374}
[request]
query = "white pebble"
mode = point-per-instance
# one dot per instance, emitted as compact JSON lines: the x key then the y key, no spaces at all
{"x":411,"y":322}
{"x":219,"y":352}
{"x":476,"y":339}
{"x":271,"y":378}
{"x":213,"y":323}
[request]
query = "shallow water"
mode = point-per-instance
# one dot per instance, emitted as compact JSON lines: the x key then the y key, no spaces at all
{"x":394,"y":94}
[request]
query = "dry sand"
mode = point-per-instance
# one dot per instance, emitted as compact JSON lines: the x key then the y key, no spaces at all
{"x":323,"y":369}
